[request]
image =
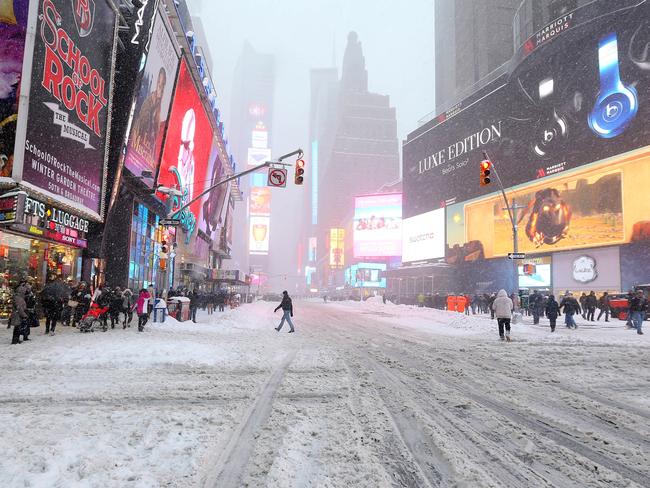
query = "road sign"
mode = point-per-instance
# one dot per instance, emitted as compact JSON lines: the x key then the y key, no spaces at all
{"x":516,"y":255}
{"x":170,"y":222}
{"x":277,"y":177}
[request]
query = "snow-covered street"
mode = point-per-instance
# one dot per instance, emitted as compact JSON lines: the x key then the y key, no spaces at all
{"x":363,"y":395}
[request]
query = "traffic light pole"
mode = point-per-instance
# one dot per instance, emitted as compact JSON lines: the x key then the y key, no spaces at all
{"x":513,"y":214}
{"x":265,"y":164}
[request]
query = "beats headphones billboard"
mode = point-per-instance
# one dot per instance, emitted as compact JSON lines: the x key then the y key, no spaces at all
{"x":580,"y":98}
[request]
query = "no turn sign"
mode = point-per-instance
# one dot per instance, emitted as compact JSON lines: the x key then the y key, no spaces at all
{"x":277,"y":177}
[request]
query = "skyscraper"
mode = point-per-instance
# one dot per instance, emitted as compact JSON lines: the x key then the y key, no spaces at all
{"x":251,"y":142}
{"x":354,"y":141}
{"x":472,"y":39}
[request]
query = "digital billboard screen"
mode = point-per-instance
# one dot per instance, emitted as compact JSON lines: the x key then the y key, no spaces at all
{"x":337,"y":248}
{"x":260,"y":201}
{"x":580,"y":98}
{"x":258,"y":242}
{"x":596,"y":205}
{"x":152,"y":103}
{"x":366,"y":275}
{"x":64,"y":146}
{"x":186,"y":151}
{"x":423,"y":236}
{"x":541,"y":278}
{"x":378,"y":225}
{"x":212,"y":216}
{"x":13,"y":26}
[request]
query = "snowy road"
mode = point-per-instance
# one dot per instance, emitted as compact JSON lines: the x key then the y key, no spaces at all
{"x":364,"y":395}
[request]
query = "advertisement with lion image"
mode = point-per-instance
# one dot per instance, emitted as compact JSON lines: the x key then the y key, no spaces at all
{"x":602,"y":204}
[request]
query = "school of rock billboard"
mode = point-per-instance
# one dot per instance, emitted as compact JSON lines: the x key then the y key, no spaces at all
{"x":186,"y":152}
{"x":65,"y":106}
{"x":579,"y":98}
{"x":13,"y":26}
{"x":152,"y":103}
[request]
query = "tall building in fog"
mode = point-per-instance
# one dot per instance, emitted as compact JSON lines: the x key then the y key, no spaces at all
{"x":472,"y":39}
{"x":250,"y":141}
{"x":355,"y":148}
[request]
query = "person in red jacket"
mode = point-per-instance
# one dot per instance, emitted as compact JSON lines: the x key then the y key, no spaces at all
{"x":142,"y":309}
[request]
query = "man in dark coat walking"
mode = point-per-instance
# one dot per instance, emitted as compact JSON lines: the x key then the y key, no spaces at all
{"x":590,"y":302}
{"x":570,"y":307}
{"x":287,"y":311}
{"x":552,"y":311}
{"x":603,"y":305}
{"x":18,"y":319}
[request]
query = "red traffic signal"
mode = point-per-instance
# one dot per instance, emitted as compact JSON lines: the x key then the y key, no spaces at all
{"x":300,"y":171}
{"x":486,"y":166}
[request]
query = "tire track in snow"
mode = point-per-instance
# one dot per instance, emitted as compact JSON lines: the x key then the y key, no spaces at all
{"x":541,"y":426}
{"x":231,"y":464}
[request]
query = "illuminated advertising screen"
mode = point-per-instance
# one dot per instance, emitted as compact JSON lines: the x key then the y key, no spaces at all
{"x":152,"y":103}
{"x":13,"y":26}
{"x":260,"y":201}
{"x":186,"y":151}
{"x":313,"y":241}
{"x":541,"y":278}
{"x":64,"y":146}
{"x":423,"y":236}
{"x":337,"y":248}
{"x":596,"y":205}
{"x":378,"y":225}
{"x":257,"y":156}
{"x":212,"y":216}
{"x":366,"y":275}
{"x":581,"y":97}
{"x":258,"y":242}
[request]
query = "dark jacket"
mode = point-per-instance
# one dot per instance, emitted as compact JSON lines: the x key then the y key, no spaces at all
{"x":19,"y":313}
{"x":194,"y":299}
{"x":570,"y":305}
{"x":638,"y":304}
{"x":591,"y":301}
{"x":552,"y":309}
{"x":603,"y":302}
{"x":285,"y":305}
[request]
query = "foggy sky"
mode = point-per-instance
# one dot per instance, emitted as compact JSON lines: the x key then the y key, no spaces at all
{"x":397,"y":39}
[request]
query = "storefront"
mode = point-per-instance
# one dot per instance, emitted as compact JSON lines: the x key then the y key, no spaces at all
{"x":151,"y":256}
{"x":38,"y":243}
{"x":587,"y":270}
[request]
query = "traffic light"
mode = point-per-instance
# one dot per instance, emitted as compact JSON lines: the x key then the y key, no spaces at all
{"x":300,"y":171}
{"x":486,"y":166}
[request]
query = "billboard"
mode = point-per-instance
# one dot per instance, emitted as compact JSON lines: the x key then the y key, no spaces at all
{"x":337,"y":248}
{"x":13,"y":26}
{"x":260,"y":201}
{"x":212,"y":216}
{"x":378,"y":225}
{"x":258,"y":242}
{"x":541,"y":278}
{"x":257,"y":156}
{"x":152,"y":103}
{"x":582,"y":97}
{"x":187,"y":150}
{"x":423,"y":236}
{"x":367,"y":275}
{"x":596,"y":205}
{"x":66,"y":105}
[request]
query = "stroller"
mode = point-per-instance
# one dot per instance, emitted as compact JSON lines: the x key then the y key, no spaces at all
{"x":95,"y":318}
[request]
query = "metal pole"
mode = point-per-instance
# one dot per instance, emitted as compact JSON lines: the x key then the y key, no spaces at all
{"x":512,"y":213}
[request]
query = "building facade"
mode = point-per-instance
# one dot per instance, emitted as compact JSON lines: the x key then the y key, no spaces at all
{"x":251,"y":141}
{"x":472,"y":39}
{"x":356,"y":149}
{"x":572,"y":151}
